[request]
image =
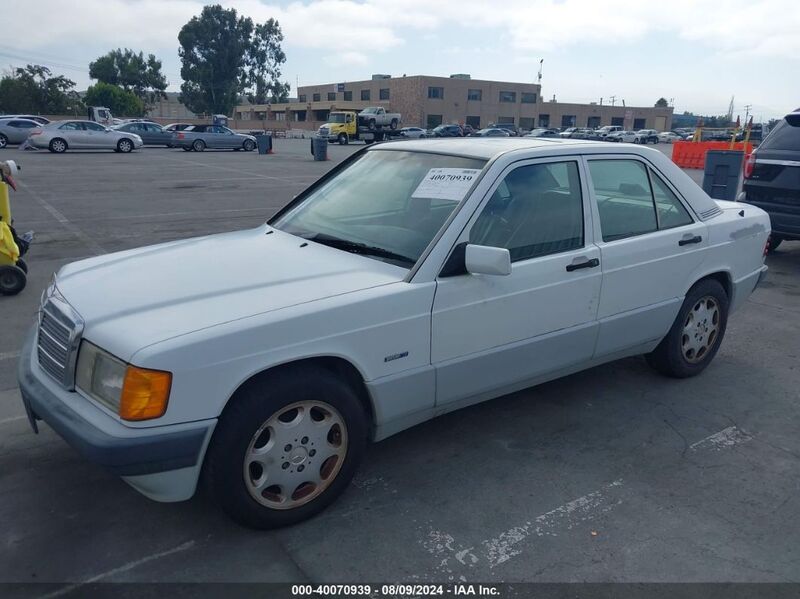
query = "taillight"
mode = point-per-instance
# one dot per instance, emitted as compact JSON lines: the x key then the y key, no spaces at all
{"x":749,"y":164}
{"x":766,"y":245}
{"x":35,"y":132}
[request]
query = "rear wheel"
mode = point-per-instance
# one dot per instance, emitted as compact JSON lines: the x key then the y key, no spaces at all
{"x":58,"y":146}
{"x":3,"y":141}
{"x":393,"y":124}
{"x":286,"y":447}
{"x":12,"y":280}
{"x":371,"y":125}
{"x":125,"y":146}
{"x":696,"y":334}
{"x":199,"y":145}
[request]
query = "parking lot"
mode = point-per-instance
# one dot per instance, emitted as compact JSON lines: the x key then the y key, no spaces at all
{"x":613,"y":474}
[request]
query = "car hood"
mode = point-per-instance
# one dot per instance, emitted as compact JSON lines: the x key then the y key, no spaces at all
{"x":132,"y":299}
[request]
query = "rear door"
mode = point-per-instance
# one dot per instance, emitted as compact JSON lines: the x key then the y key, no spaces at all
{"x":774,"y":184}
{"x":650,"y":246}
{"x":74,"y":134}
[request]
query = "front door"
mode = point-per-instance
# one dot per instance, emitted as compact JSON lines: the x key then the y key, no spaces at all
{"x":491,"y":334}
{"x":649,"y":244}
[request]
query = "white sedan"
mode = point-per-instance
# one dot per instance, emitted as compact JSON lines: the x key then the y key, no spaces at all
{"x":413,"y":132}
{"x":60,"y":136}
{"x":669,"y":137}
{"x":416,"y":278}
{"x":635,"y":137}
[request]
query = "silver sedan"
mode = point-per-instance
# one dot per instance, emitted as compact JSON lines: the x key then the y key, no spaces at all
{"x":60,"y":136}
{"x":15,"y":130}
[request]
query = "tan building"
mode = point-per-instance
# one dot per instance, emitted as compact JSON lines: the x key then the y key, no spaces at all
{"x":427,"y":101}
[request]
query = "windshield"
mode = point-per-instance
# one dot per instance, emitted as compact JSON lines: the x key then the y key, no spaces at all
{"x":337,"y":117}
{"x":378,"y":203}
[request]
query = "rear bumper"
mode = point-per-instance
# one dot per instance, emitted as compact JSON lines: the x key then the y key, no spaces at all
{"x":784,"y":216}
{"x":125,"y":451}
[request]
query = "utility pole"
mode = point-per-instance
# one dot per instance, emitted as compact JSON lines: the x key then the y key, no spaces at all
{"x":601,"y":100}
{"x":747,"y":108}
{"x":613,"y":99}
{"x":539,"y":75}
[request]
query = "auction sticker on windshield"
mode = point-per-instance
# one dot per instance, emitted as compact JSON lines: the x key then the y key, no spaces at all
{"x":446,"y":183}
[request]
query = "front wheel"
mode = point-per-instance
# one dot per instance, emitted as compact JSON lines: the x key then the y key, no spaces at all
{"x":696,"y":334}
{"x":342,"y":139}
{"x":393,"y":124}
{"x":125,"y":146}
{"x":12,"y":280}
{"x":249,"y":145}
{"x":285,"y":447}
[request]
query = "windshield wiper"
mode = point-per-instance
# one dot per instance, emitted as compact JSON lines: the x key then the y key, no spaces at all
{"x":356,"y":247}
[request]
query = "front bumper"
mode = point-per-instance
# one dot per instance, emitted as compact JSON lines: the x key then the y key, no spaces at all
{"x":125,"y":451}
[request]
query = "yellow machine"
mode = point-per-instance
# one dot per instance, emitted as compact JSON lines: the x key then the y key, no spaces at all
{"x":13,"y":270}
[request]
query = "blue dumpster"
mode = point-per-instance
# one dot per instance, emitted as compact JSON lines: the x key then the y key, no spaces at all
{"x":264,"y":142}
{"x":721,"y":175}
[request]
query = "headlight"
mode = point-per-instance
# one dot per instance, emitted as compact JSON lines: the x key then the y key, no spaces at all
{"x":133,"y":393}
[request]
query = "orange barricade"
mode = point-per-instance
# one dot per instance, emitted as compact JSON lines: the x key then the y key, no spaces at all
{"x":692,"y":154}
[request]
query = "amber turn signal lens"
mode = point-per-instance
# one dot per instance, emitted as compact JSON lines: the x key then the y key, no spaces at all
{"x":144,"y":393}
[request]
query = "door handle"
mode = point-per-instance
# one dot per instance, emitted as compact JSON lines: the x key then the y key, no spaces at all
{"x":688,"y":240}
{"x":588,"y":264}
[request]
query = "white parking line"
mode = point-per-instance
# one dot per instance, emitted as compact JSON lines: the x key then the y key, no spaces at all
{"x":727,"y":437}
{"x":129,"y":566}
{"x":503,"y":547}
{"x":9,"y":355}
{"x":65,"y":222}
{"x":230,"y":169}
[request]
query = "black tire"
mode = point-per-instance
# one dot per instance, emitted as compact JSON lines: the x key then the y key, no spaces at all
{"x":12,"y":280}
{"x":198,"y":145}
{"x":669,"y":358}
{"x":3,"y":141}
{"x":372,"y":125}
{"x":185,"y":149}
{"x":58,"y":146}
{"x":249,"y":145}
{"x":393,"y":124}
{"x":22,"y":265}
{"x":125,"y":145}
{"x":342,"y":139}
{"x":250,"y":408}
{"x":774,"y":242}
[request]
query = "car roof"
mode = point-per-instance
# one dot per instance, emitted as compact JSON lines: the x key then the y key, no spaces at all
{"x":487,"y":148}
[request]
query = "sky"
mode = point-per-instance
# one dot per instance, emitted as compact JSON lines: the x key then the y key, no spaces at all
{"x":697,"y":52}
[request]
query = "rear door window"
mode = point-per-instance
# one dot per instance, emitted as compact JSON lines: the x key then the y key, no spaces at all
{"x":782,"y":137}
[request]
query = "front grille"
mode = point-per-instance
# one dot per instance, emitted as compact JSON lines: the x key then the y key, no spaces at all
{"x":59,"y":332}
{"x":324,"y":131}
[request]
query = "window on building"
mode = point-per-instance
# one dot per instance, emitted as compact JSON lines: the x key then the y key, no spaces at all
{"x":365,"y":95}
{"x":300,"y":115}
{"x":638,"y":124}
{"x":474,"y":95}
{"x":529,"y":98}
{"x":508,"y":96}
{"x":526,"y":122}
{"x":544,"y":202}
{"x":568,"y":120}
{"x":505,"y":120}
{"x":316,"y":97}
{"x":436,"y":93}
{"x":348,"y":96}
{"x":321,"y":115}
{"x":434,"y":120}
{"x":617,"y":120}
{"x":279,"y":116}
{"x":301,"y":98}
{"x":331,"y":96}
{"x":384,"y":93}
{"x":544,"y":120}
{"x":593,"y":122}
{"x":474,"y":122}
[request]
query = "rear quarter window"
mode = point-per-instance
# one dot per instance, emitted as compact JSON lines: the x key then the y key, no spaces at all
{"x":783,"y":137}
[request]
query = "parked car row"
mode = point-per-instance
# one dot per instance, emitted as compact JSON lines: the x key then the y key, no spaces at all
{"x":60,"y":136}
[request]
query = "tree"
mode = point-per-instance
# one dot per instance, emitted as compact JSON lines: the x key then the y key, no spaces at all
{"x":120,"y":101}
{"x":265,"y":60}
{"x":224,"y":56}
{"x":661,"y":103}
{"x":132,"y":72}
{"x":34,"y":89}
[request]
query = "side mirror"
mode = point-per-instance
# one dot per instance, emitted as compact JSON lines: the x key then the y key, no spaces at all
{"x":486,"y":260}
